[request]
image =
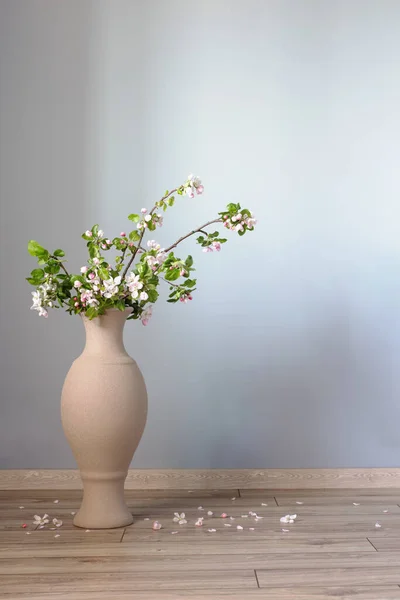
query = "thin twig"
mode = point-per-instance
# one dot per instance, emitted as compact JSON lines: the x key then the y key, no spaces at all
{"x":192,"y":233}
{"x":61,"y":265}
{"x":142,"y":234}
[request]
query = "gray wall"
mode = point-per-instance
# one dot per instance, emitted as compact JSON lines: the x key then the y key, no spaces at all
{"x":289,"y":355}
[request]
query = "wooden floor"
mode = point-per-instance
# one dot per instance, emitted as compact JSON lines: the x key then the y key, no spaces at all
{"x":343,"y":544}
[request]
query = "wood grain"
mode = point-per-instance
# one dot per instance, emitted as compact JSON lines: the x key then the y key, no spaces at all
{"x":197,"y":479}
{"x":333,"y":550}
{"x":92,"y":582}
{"x":303,"y":593}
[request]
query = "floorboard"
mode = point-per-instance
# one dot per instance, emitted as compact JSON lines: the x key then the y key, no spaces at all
{"x":334,"y":549}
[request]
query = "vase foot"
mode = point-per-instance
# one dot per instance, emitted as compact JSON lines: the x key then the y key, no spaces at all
{"x":103,"y":505}
{"x":109,"y":521}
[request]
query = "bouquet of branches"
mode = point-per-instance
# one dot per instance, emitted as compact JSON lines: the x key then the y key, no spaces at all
{"x":130,"y":280}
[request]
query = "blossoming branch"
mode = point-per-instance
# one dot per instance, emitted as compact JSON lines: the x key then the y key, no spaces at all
{"x":132,"y":280}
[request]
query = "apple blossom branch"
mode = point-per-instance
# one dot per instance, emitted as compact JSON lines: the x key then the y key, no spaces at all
{"x":143,"y":232}
{"x":199,"y":229}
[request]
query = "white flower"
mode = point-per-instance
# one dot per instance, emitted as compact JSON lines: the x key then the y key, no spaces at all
{"x":146,"y":315}
{"x":84,"y":269}
{"x":96,"y":261}
{"x":100,"y":233}
{"x":57,"y":522}
{"x":77,"y":284}
{"x":251,"y":222}
{"x":41,"y":520}
{"x":161,"y":257}
{"x":148,"y":218}
{"x":179,"y":518}
{"x":239,"y":227}
{"x":152,"y":244}
{"x":143,"y":211}
{"x":144,"y":296}
{"x":288,"y":518}
{"x":111,"y":286}
{"x":134,"y":284}
{"x":88,"y":233}
{"x":193,"y":184}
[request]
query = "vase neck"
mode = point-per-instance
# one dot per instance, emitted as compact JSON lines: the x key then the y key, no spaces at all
{"x":104,"y":334}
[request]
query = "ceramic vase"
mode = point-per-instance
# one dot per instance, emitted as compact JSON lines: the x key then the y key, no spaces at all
{"x":104,"y":411}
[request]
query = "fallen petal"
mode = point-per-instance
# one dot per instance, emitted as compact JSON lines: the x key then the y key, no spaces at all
{"x":73,"y":513}
{"x":233,"y":498}
{"x":87,"y":530}
{"x":200,"y":508}
{"x":263,"y":504}
{"x":57,"y":535}
{"x":251,"y":529}
{"x":56,"y":501}
{"x":212,"y":530}
{"x":223,"y":516}
{"x":299,"y":502}
{"x":24,"y":525}
{"x":232,"y":518}
{"x":385,"y":511}
{"x":199,"y":523}
{"x":22,"y":506}
{"x":356,"y":504}
{"x":285,"y":530}
{"x":245,"y":516}
{"x":157,"y":525}
{"x":174,"y":532}
{"x":227,"y":525}
{"x":378,"y":525}
{"x":147,"y":519}
{"x":239,"y":527}
{"x":210,"y":513}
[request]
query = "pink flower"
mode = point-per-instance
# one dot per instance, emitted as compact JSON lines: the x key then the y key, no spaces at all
{"x":216,"y":246}
{"x":108,"y":242}
{"x":239,"y":227}
{"x":92,"y":275}
{"x":76,"y":304}
{"x":96,"y":261}
{"x":84,"y":269}
{"x":143,"y":211}
{"x":123,"y":234}
{"x":88,"y":233}
{"x":104,"y":246}
{"x":207,"y":249}
{"x":200,"y":189}
{"x":190,"y":193}
{"x":183,"y":272}
{"x":131,"y":244}
{"x":77,"y":284}
{"x":144,"y":296}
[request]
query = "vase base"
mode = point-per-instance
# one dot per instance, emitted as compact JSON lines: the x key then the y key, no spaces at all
{"x":109,"y":521}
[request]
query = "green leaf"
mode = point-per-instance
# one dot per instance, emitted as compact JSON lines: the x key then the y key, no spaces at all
{"x":31,"y":280}
{"x":104,"y":273}
{"x":134,"y":218}
{"x":190,"y":283}
{"x":59,"y":253}
{"x":189,"y":261}
{"x":172,"y":274}
{"x":36,"y":249}
{"x":222,"y":240}
{"x":151,"y":226}
{"x":153,"y":295}
{"x":95,"y":230}
{"x":37,"y":273}
{"x":134,"y":236}
{"x":241,"y":232}
{"x":120,"y":305}
{"x":91,"y":312}
{"x":171,"y":201}
{"x":52,"y":268}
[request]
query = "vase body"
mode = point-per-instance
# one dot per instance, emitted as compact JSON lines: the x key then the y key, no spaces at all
{"x":104,"y":411}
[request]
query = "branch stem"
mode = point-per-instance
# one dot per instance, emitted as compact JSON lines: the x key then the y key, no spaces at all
{"x":192,"y":233}
{"x":142,"y":234}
